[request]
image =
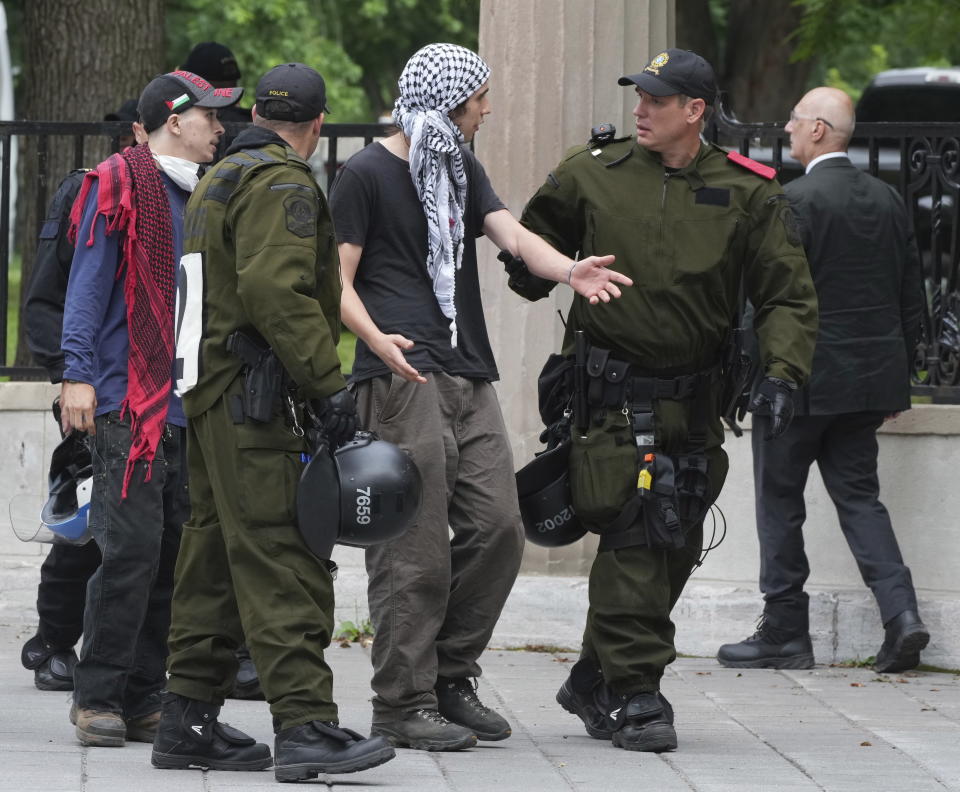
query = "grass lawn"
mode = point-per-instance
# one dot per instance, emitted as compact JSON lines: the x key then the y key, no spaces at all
{"x":13,"y":310}
{"x":346,"y":348}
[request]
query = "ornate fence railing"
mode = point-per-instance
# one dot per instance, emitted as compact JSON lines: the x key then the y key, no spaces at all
{"x":338,"y":141}
{"x":923,"y":162}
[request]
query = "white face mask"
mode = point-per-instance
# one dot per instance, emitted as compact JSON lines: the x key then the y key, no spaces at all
{"x":184,"y":173}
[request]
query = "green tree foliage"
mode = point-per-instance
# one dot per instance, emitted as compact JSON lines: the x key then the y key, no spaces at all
{"x":360,"y":47}
{"x":849,"y":42}
{"x":380,"y":35}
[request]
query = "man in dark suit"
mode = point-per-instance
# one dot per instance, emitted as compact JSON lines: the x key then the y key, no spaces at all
{"x":866,"y":271}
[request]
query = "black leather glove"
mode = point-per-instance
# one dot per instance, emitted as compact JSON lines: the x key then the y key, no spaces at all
{"x":522,"y":281}
{"x":774,"y":398}
{"x":338,"y":416}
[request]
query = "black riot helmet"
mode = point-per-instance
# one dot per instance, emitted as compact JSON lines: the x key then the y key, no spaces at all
{"x":366,"y":493}
{"x":546,"y":507}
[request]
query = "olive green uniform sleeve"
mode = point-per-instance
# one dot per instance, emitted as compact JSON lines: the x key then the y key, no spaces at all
{"x":778,"y":283}
{"x":284,"y":242}
{"x":555,"y":213}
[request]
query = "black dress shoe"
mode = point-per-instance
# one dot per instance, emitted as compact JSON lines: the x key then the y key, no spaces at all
{"x":769,"y":647}
{"x":905,"y":637}
{"x":303,"y":752}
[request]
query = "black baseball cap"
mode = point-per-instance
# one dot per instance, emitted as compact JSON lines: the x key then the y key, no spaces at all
{"x":212,"y":61}
{"x":291,"y":92}
{"x":676,"y":71}
{"x":177,"y":92}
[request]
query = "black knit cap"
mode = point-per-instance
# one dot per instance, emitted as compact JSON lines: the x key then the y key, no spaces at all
{"x":213,"y":61}
{"x":177,"y":92}
{"x":676,"y":71}
{"x":126,"y":112}
{"x":291,"y":92}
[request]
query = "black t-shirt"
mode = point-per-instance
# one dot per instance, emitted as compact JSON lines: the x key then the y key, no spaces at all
{"x":375,"y":205}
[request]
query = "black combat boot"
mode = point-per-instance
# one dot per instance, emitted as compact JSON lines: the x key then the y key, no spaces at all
{"x":586,"y":695}
{"x":769,"y":647}
{"x":644,"y":722}
{"x":52,"y":667}
{"x":189,"y":735}
{"x":305,"y":751}
{"x":457,"y":701}
{"x":247,"y":683}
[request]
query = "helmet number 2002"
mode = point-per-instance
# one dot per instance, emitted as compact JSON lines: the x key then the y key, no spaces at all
{"x":556,"y":521}
{"x":363,"y":505}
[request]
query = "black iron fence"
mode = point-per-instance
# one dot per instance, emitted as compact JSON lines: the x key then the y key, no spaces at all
{"x":338,"y":142}
{"x":923,"y":162}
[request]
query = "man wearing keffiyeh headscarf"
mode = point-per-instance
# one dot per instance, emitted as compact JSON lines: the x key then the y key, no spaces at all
{"x":407,"y":212}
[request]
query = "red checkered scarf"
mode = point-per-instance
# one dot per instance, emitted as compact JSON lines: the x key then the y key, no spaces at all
{"x":134,"y":202}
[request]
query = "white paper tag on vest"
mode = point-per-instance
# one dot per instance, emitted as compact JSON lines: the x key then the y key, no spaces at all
{"x":189,"y":322}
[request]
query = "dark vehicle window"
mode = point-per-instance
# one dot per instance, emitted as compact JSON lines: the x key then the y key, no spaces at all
{"x":911,"y":103}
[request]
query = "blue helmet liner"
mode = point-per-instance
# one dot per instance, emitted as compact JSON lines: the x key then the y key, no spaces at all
{"x":70,"y":484}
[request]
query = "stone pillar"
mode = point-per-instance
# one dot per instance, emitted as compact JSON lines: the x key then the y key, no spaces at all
{"x":554,"y":65}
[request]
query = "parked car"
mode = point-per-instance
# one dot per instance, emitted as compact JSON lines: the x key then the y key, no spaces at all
{"x":917,"y":95}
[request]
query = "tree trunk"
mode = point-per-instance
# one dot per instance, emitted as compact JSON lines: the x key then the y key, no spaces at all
{"x":758,"y":79}
{"x":696,"y":31}
{"x":82,"y":59}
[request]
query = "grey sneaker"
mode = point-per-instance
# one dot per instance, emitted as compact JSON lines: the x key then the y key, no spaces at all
{"x":425,"y":730}
{"x":457,"y":701}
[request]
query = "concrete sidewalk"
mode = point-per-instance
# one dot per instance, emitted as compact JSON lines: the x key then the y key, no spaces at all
{"x":835,"y":729}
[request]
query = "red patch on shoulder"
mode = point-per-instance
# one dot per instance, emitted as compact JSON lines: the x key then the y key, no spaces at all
{"x":752,"y":165}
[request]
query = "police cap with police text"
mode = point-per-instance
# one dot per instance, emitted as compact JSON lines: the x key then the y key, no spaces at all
{"x":676,"y":71}
{"x":291,"y":92}
{"x":177,"y":92}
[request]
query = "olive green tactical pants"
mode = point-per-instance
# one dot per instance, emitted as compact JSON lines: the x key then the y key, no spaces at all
{"x":244,"y":570}
{"x":632,"y":590}
{"x":435,"y":598}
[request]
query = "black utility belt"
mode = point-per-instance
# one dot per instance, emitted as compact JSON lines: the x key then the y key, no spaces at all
{"x":614,"y":383}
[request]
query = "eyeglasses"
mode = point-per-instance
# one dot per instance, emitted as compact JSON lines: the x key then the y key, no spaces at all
{"x":794,"y":117}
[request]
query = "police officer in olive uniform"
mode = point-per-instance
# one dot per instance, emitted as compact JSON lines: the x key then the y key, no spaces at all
{"x":691,"y":225}
{"x":261,"y":272}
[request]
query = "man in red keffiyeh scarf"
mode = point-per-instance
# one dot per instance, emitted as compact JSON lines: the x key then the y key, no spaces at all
{"x":118,"y":345}
{"x":147,"y":267}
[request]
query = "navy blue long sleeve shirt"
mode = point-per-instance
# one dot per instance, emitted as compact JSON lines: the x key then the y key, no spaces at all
{"x":95,"y":338}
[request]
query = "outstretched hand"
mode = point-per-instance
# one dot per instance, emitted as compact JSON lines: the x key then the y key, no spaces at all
{"x":590,"y":278}
{"x":390,"y":349}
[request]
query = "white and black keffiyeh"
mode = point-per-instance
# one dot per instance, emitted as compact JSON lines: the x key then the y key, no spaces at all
{"x":438,"y":78}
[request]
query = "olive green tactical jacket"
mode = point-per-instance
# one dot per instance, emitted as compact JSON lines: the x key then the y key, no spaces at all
{"x":270,"y":265}
{"x":684,"y":238}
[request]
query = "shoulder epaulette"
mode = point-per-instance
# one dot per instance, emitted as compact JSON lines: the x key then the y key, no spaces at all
{"x":752,"y":165}
{"x":226,"y":179}
{"x":611,"y":154}
{"x":570,"y":153}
